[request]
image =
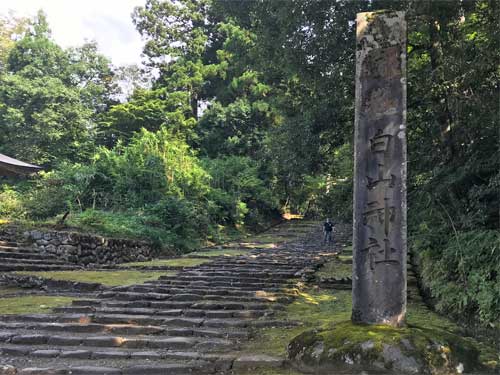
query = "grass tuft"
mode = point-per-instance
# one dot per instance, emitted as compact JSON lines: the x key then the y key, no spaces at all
{"x":32,"y":304}
{"x":108,"y":278}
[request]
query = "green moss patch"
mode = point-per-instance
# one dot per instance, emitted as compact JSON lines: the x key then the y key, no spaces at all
{"x":313,"y":308}
{"x":32,"y":304}
{"x":109,"y":278}
{"x":324,"y":318}
{"x":217,"y":253}
{"x":415,"y":350}
{"x":335,"y":269}
{"x":177,"y":262}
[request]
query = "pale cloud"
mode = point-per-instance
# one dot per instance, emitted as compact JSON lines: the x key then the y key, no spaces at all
{"x":73,"y":22}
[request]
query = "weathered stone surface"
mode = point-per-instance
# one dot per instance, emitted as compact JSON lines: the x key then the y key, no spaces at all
{"x":255,"y":361}
{"x":42,"y":371}
{"x":108,"y":354}
{"x":80,"y":354}
{"x":173,"y":343}
{"x":158,"y":369}
{"x":87,"y":370}
{"x":29,"y":339}
{"x":379,"y":236}
{"x":89,"y":250}
{"x":7,"y":370}
{"x":45,"y":353}
{"x":145,"y":355}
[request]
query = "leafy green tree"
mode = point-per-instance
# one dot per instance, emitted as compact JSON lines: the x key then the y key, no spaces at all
{"x":12,"y":28}
{"x":178,"y":36}
{"x":50,"y":98}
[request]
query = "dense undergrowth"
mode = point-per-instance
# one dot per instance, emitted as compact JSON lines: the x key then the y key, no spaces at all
{"x":154,"y":188}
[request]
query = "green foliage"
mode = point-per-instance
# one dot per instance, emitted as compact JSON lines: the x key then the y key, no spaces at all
{"x":238,"y":192}
{"x":150,"y":167}
{"x":463,"y":275}
{"x":11,"y":205}
{"x":49,"y":98}
{"x":11,"y":27}
{"x":67,"y":189}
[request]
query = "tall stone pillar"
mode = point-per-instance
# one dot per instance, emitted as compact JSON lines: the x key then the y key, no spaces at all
{"x":379,"y":244}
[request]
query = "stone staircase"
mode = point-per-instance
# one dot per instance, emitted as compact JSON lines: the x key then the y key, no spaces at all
{"x":15,"y":256}
{"x":192,"y":323}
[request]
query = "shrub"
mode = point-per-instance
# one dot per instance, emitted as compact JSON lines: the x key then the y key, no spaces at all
{"x":463,"y":275}
{"x":10,"y":203}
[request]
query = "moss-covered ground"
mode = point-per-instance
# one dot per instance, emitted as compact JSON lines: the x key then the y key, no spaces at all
{"x":108,"y":278}
{"x":330,"y":310}
{"x":32,"y":304}
{"x":335,"y":268}
{"x":175,"y":262}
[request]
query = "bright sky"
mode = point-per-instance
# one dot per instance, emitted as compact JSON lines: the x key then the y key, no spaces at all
{"x":74,"y":21}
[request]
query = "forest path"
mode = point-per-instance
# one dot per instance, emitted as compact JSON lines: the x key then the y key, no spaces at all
{"x":193,"y":322}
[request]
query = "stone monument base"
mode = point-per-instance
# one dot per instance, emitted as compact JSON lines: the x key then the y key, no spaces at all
{"x":351,"y":349}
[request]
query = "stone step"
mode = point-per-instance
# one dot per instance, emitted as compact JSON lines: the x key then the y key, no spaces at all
{"x":214,"y":289}
{"x":220,"y":288}
{"x":233,"y":271}
{"x":193,"y":305}
{"x":34,"y":267}
{"x":144,"y":320}
{"x":7,"y":328}
{"x":258,"y":297}
{"x":272,"y":275}
{"x":201,"y":344}
{"x":86,"y":361}
{"x":7,"y":243}
{"x":200,"y":276}
{"x":246,"y":269}
{"x":195,"y":313}
{"x":32,"y":261}
{"x":17,"y":254}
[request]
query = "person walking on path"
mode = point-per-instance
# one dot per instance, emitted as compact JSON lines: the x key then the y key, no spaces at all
{"x":328,"y":231}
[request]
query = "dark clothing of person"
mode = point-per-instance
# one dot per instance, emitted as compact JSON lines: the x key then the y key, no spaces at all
{"x":328,"y":229}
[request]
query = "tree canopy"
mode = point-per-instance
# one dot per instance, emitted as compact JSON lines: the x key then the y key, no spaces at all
{"x":244,"y":110}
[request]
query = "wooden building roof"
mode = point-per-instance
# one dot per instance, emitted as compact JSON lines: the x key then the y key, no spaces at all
{"x":12,"y":167}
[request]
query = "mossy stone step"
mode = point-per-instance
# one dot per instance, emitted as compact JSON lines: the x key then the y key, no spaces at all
{"x":235,"y":278}
{"x":201,"y":344}
{"x":190,"y":291}
{"x":144,"y":320}
{"x":218,"y":288}
{"x":121,"y":366}
{"x":242,"y":274}
{"x":196,"y":313}
{"x":208,"y":305}
{"x":241,"y":287}
{"x":33,"y":261}
{"x":24,"y":255}
{"x":193,"y":297}
{"x":35,"y":267}
{"x":8,"y":329}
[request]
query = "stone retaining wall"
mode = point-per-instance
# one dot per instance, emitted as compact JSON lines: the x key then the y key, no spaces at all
{"x":89,"y":250}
